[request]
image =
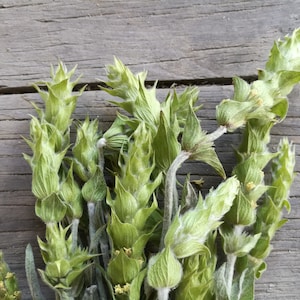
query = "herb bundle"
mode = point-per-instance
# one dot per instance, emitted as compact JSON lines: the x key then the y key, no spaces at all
{"x":108,"y":237}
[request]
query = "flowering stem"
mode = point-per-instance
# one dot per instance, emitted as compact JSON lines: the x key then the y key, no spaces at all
{"x":101,"y":144}
{"x":163,"y":293}
{"x":217,"y":133}
{"x":104,"y":242}
{"x":171,"y":193}
{"x":91,"y":213}
{"x":231,"y":260}
{"x":75,"y":223}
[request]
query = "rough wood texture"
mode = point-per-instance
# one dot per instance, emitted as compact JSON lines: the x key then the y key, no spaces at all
{"x":173,"y":39}
{"x":186,"y":41}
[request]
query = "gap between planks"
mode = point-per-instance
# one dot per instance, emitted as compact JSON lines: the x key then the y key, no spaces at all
{"x":160,"y":84}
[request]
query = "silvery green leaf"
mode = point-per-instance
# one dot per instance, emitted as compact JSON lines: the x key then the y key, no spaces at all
{"x":139,"y":101}
{"x":50,"y":209}
{"x":31,"y":275}
{"x":71,"y":193}
{"x":164,"y":270}
{"x":142,"y":215}
{"x":85,"y":150}
{"x":193,"y":227}
{"x":284,"y":54}
{"x":94,"y":189}
{"x":242,"y":211}
{"x":255,"y":139}
{"x":243,"y":286}
{"x":198,"y":274}
{"x":282,"y":172}
{"x":123,"y":82}
{"x":241,"y":89}
{"x":234,"y":114}
{"x":122,"y":234}
{"x":189,"y":196}
{"x":122,"y":269}
{"x":136,"y":284}
{"x":197,"y":143}
{"x":165,"y":145}
{"x":280,"y":108}
{"x":124,"y":204}
{"x":179,"y":105}
{"x":262,"y":248}
{"x":221,"y":285}
{"x":238,"y":244}
{"x":188,"y":248}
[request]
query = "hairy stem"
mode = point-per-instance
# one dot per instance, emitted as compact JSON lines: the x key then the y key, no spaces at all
{"x":91,"y":213}
{"x":231,"y":260}
{"x":171,"y":197}
{"x":217,"y":133}
{"x":163,"y":294}
{"x":74,"y":228}
{"x":101,"y":144}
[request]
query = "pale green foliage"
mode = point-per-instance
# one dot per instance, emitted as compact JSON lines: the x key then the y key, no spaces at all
{"x":188,"y":232}
{"x":129,"y":253}
{"x":130,"y":209}
{"x":164,"y":270}
{"x":85,"y":152}
{"x":63,"y":263}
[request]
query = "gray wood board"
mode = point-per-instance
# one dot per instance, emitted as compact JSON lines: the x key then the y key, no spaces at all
{"x":19,"y":226}
{"x":172,"y":39}
{"x":186,"y":41}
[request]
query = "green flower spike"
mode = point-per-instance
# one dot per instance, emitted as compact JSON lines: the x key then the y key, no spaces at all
{"x":130,"y":209}
{"x":188,"y":232}
{"x":85,"y":151}
{"x":64,"y":265}
{"x":198,"y":274}
{"x":59,"y":101}
{"x":46,"y":163}
{"x":139,"y":101}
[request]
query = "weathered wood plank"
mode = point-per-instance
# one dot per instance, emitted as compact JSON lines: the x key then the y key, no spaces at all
{"x":173,"y":40}
{"x":19,"y":225}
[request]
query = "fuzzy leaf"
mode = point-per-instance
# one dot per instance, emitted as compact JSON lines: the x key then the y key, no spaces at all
{"x":241,"y":89}
{"x":165,"y":145}
{"x":123,"y":269}
{"x":31,"y":275}
{"x":123,"y":234}
{"x":243,"y":287}
{"x":164,"y":270}
{"x":196,"y":142}
{"x":94,"y":189}
{"x":50,"y":209}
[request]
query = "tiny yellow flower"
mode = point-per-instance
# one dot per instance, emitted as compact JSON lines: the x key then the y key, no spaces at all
{"x":250,"y":186}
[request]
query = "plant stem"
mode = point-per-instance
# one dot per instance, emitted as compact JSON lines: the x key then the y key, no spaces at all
{"x":171,"y":197}
{"x":231,"y":260}
{"x":91,"y":213}
{"x":217,"y":133}
{"x":104,"y":242}
{"x":75,"y":223}
{"x":101,"y":144}
{"x":163,"y":293}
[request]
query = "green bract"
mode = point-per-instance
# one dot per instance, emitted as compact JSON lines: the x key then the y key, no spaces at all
{"x":119,"y":223}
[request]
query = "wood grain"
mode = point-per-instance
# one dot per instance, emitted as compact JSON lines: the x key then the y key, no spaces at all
{"x":172,"y":39}
{"x":188,"y":41}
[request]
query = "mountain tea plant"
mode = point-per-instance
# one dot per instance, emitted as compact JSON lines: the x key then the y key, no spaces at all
{"x":119,"y":225}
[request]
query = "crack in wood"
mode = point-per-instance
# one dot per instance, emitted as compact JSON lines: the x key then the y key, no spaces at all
{"x":160,"y":84}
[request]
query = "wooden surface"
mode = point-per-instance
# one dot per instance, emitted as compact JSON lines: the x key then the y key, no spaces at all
{"x":188,"y":42}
